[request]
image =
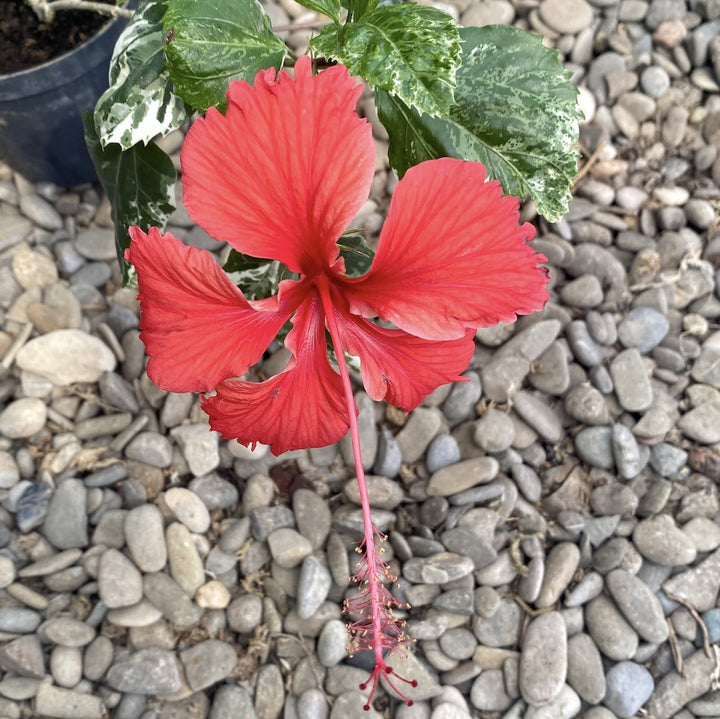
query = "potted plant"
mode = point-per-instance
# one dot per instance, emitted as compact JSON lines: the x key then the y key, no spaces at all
{"x":53,"y":66}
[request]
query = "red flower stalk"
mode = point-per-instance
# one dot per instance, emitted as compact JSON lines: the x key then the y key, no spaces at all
{"x":280,"y":176}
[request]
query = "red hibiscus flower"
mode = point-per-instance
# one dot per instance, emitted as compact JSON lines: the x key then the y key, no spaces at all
{"x":280,"y":176}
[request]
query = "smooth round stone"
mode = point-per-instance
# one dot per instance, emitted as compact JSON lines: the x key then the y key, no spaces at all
{"x":66,"y":356}
{"x":567,"y":17}
{"x":288,"y":547}
{"x":245,"y":613}
{"x":384,"y":493}
{"x":560,"y":566}
{"x":700,"y":213}
{"x":615,"y":638}
{"x":437,"y":569}
{"x":96,"y":243}
{"x":494,"y":431}
{"x":585,"y":404}
{"x":119,"y":581}
{"x":585,"y":668}
{"x":704,"y":532}
{"x":200,"y":447}
{"x":313,"y":586}
{"x":212,"y":595}
{"x":147,"y":671}
{"x":97,"y":658}
{"x":420,"y":429}
{"x":631,"y":381}
{"x":142,"y":614}
{"x":52,"y":701}
{"x":9,"y":470}
{"x":461,"y":476}
{"x":332,"y":643}
{"x":7,"y":571}
{"x":151,"y":448}
{"x":543,"y":659}
{"x":491,"y":12}
{"x":312,"y":704}
{"x":550,"y":372}
{"x":502,"y":628}
{"x":145,"y":537}
{"x":639,"y":605}
{"x":207,"y":663}
{"x":702,"y":423}
{"x":167,"y":595}
{"x":186,"y":567}
{"x":66,"y":665}
{"x":654,"y":81}
{"x":23,"y":418}
{"x":527,"y":481}
{"x":488,"y":692}
{"x":65,"y":524}
{"x":388,"y":459}
{"x":644,"y":328}
{"x":584,"y":291}
{"x":539,"y":416}
{"x":629,"y":686}
{"x":661,"y":541}
{"x":594,"y":446}
{"x":215,"y":492}
{"x":583,"y":347}
{"x":18,"y":620}
{"x":626,"y":452}
{"x":566,"y":705}
{"x":442,"y":452}
{"x":67,"y":631}
{"x":462,"y":398}
{"x":40,"y":211}
{"x":530,"y":584}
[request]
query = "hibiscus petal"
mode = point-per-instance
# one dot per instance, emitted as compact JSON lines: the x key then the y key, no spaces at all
{"x":399,"y":367}
{"x":285,"y":170}
{"x":451,"y":255}
{"x":197,"y":327}
{"x":301,"y":407}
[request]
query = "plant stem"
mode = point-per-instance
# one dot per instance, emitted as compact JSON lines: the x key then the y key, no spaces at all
{"x":377,"y":627}
{"x":46,"y":9}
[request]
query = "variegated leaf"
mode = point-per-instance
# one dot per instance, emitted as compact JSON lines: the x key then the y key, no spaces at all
{"x":411,"y":51}
{"x":257,"y":278}
{"x":331,"y":8}
{"x":212,"y":42}
{"x":140,"y":103}
{"x":516,"y":112}
{"x":140,"y":184}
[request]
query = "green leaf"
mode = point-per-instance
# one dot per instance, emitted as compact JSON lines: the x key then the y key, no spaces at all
{"x":140,"y":184}
{"x":212,"y":42}
{"x":257,"y":278}
{"x":357,"y":255}
{"x":409,"y":50}
{"x":331,"y":8}
{"x":140,"y":102}
{"x":516,"y":112}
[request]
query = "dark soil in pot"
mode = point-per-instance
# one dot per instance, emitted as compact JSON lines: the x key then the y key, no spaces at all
{"x":26,"y":42}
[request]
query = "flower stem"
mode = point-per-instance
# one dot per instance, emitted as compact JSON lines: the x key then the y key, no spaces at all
{"x":376,"y":627}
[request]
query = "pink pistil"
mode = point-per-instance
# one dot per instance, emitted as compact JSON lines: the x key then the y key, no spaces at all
{"x":374,"y":626}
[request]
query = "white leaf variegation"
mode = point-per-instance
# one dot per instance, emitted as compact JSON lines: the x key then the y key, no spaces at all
{"x":140,"y":103}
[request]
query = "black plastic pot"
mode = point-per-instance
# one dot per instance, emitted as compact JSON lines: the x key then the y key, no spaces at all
{"x":41,"y":133}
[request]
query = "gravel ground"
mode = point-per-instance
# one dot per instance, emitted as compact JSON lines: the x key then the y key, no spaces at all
{"x":554,"y":522}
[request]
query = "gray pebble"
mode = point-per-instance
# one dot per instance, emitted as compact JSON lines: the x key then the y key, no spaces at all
{"x":119,"y":581}
{"x":420,"y":429}
{"x":625,"y":451}
{"x":639,"y":605}
{"x":631,"y":381}
{"x":661,"y":541}
{"x":147,"y":671}
{"x":442,"y":452}
{"x":644,"y":328}
{"x":629,"y":686}
{"x":65,"y":524}
{"x":215,"y":492}
{"x":587,"y":405}
{"x":54,"y":701}
{"x":150,"y":447}
{"x":583,"y":347}
{"x":288,"y":547}
{"x":461,"y":476}
{"x":167,"y":595}
{"x":389,"y":457}
{"x":539,"y":416}
{"x":585,"y":669}
{"x":207,"y":663}
{"x":655,"y":81}
{"x":18,"y":620}
{"x":502,"y":628}
{"x":560,"y":565}
{"x":543,"y":659}
{"x":462,"y":398}
{"x":615,"y":638}
{"x":313,"y":586}
{"x":145,"y":537}
{"x":245,"y":613}
{"x":332,"y":643}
